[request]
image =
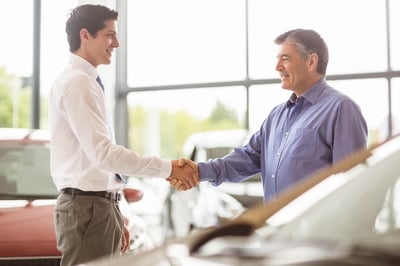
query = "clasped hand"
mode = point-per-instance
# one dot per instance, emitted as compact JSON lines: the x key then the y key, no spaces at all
{"x":184,"y":175}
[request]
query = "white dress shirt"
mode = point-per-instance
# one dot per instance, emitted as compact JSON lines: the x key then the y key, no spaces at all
{"x":82,"y":153}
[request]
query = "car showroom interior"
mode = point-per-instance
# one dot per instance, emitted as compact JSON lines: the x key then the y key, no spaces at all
{"x":227,"y":132}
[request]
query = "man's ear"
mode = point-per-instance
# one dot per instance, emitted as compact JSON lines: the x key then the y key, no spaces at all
{"x":84,"y":34}
{"x":313,"y":61}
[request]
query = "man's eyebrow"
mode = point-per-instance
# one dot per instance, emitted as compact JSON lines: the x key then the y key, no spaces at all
{"x":282,"y":55}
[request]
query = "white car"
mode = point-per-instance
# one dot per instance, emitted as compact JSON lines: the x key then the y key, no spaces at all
{"x":345,"y":215}
{"x":203,"y":146}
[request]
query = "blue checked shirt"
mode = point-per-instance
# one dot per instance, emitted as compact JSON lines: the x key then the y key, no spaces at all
{"x":297,"y":138}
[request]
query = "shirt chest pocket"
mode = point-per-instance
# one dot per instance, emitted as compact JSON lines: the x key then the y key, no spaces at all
{"x":303,"y":144}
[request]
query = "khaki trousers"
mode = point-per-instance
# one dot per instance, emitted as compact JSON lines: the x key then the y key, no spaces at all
{"x":87,"y":228}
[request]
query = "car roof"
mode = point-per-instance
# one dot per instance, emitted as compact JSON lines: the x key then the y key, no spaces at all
{"x":24,"y":135}
{"x":214,"y":139}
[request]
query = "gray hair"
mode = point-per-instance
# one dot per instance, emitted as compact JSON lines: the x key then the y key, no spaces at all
{"x":307,"y":42}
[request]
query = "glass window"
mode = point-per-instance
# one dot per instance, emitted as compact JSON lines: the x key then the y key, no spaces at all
{"x":183,"y":41}
{"x":16,"y":56}
{"x":25,"y":163}
{"x":262,"y":98}
{"x":161,"y":121}
{"x":394,"y":11}
{"x":355,"y":32}
{"x":395,"y":105}
{"x":17,"y":44}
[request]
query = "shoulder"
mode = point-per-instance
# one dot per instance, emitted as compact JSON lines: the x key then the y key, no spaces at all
{"x":71,"y":75}
{"x":337,"y":104}
{"x":335,"y":97}
{"x":75,"y":83}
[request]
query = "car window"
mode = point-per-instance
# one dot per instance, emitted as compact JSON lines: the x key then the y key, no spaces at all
{"x":25,"y":170}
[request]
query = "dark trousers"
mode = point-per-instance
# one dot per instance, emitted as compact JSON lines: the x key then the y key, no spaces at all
{"x":87,"y":228}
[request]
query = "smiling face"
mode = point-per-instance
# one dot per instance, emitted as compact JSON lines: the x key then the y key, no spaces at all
{"x":297,"y":74}
{"x":98,"y":49}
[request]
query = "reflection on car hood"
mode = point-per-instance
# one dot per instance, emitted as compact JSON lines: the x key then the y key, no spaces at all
{"x":346,"y":232}
{"x":242,"y":251}
{"x":25,"y":231}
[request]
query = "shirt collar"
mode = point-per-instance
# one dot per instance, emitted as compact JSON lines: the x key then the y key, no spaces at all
{"x":310,"y":95}
{"x":83,"y":64}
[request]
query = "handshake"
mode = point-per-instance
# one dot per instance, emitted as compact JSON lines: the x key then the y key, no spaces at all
{"x":184,"y":174}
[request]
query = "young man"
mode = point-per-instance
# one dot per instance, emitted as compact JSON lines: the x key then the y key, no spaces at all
{"x":315,"y":128}
{"x":84,"y":158}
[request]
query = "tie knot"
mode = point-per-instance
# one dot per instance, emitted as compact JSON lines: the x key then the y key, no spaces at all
{"x":98,"y":79}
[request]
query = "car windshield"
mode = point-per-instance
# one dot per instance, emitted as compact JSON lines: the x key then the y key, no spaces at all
{"x":364,"y":210}
{"x":25,"y":171}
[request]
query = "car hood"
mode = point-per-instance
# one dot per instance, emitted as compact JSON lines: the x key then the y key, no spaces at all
{"x":243,"y":250}
{"x":238,"y":251}
{"x":27,"y":231}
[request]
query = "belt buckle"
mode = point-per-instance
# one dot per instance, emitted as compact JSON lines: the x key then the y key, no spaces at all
{"x":118,"y":196}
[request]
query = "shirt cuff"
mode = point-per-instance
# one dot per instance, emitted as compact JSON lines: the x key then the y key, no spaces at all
{"x":205,"y":172}
{"x":166,"y":168}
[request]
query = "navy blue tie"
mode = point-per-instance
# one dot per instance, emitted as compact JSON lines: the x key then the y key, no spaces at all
{"x":119,"y":177}
{"x":98,"y":79}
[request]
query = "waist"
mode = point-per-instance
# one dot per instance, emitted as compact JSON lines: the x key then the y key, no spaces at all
{"x":115,"y":196}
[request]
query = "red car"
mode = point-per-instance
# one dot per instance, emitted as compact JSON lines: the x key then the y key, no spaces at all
{"x":27,"y":198}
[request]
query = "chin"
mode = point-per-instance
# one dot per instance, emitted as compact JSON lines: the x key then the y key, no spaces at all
{"x":286,"y":87}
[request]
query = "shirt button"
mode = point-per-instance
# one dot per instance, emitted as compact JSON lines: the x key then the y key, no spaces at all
{"x":273,"y":176}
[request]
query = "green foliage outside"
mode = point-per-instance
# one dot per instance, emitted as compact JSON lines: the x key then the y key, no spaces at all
{"x":176,"y":127}
{"x":14,"y":101}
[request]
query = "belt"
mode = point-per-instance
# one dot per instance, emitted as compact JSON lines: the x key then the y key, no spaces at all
{"x":116,"y":196}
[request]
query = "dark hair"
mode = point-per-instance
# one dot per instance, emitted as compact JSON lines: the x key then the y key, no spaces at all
{"x":90,"y":17}
{"x":307,"y":42}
